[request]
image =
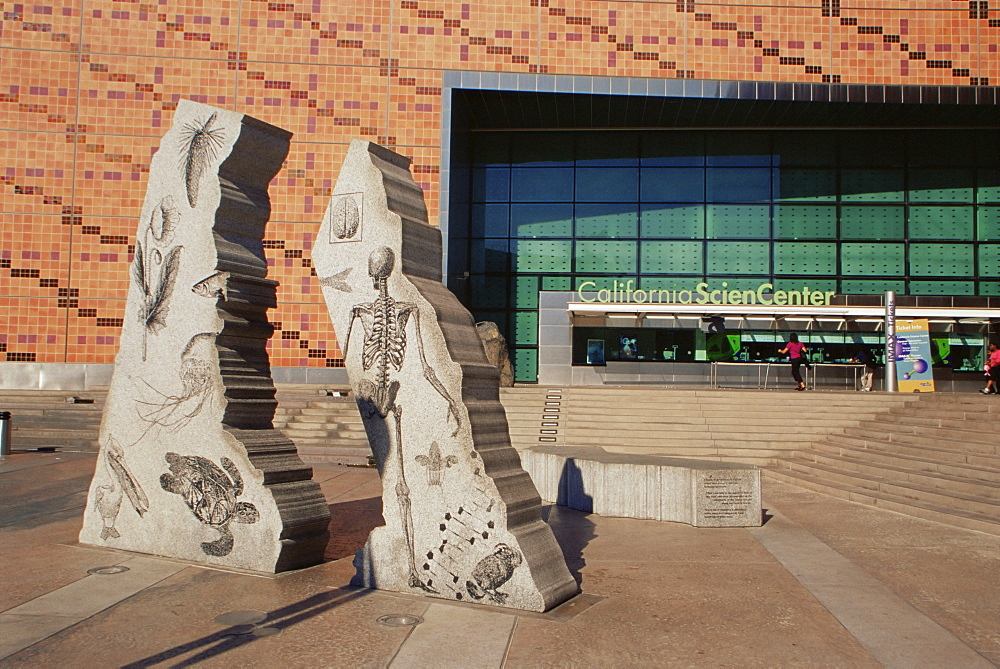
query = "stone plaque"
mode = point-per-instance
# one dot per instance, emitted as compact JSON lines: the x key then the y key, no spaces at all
{"x":727,"y":497}
{"x":190,"y":466}
{"x":463,"y":520}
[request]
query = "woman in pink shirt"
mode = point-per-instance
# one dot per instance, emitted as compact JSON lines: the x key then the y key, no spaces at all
{"x":796,"y":351}
{"x":993,"y":369}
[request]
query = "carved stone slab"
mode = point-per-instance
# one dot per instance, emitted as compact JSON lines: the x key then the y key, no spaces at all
{"x":190,"y":466}
{"x":462,"y":518}
{"x":703,"y":493}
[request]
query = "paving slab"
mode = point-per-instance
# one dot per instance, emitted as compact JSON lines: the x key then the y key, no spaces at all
{"x":821,"y":583}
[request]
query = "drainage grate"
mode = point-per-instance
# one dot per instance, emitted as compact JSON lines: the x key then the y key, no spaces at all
{"x":108,"y":571}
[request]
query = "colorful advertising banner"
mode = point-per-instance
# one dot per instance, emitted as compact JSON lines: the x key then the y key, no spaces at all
{"x":914,"y":371}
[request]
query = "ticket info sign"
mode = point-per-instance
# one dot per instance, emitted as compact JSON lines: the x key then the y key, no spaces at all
{"x":914,"y":372}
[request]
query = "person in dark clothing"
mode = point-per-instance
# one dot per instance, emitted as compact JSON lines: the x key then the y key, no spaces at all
{"x":796,"y":352}
{"x":866,"y":358}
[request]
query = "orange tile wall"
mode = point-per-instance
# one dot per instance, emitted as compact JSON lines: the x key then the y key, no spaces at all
{"x":87,"y":89}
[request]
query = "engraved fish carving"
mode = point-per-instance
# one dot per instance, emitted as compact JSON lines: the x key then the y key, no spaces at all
{"x":213,"y":286}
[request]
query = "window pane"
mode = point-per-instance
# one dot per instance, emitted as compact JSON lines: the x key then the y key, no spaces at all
{"x":872,"y":259}
{"x":607,"y":149}
{"x":805,"y":222}
{"x":673,"y":149}
{"x":664,"y":220}
{"x":489,"y":255}
{"x":489,"y":220}
{"x":941,"y":223}
{"x":951,"y":260}
{"x":541,"y":220}
{"x":541,"y":149}
{"x":673,"y":184}
{"x":537,"y":255}
{"x":607,"y":184}
{"x":871,"y":185}
{"x":616,"y":258}
{"x":738,"y":185}
{"x":671,"y":257}
{"x":606,"y":220}
{"x":805,"y":258}
{"x":861,"y":222}
{"x":739,"y":258}
{"x":748,"y":221}
{"x":805,"y":185}
{"x":491,"y":185}
{"x":940,"y":185}
{"x":738,"y":149}
{"x":542,"y":185}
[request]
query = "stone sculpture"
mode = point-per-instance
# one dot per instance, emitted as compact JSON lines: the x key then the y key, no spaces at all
{"x":463,"y":520}
{"x":187,"y":436}
{"x":497,"y":352}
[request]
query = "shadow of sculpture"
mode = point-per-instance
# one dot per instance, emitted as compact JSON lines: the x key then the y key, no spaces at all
{"x":350,"y":524}
{"x":573,"y":529}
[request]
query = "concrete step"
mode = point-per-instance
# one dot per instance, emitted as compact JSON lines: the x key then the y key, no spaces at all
{"x":892,"y":471}
{"x":917,"y":508}
{"x":980,"y":445}
{"x":949,"y":456}
{"x":964,"y":502}
{"x":954,"y":430}
{"x":904,"y":461}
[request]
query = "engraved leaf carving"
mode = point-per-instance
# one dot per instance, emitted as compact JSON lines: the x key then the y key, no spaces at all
{"x":158,"y":296}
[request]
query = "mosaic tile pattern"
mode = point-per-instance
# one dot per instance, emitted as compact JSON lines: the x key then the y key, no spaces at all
{"x":86,"y":91}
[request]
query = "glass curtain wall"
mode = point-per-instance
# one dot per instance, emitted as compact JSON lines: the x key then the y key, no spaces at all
{"x":850,"y":211}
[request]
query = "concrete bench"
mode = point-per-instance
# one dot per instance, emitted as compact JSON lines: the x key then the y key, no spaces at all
{"x":701,"y":493}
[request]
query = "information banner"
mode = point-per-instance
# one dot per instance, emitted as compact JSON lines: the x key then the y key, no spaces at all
{"x":914,"y":371}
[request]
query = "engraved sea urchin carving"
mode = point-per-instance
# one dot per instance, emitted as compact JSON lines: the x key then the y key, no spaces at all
{"x":199,"y":144}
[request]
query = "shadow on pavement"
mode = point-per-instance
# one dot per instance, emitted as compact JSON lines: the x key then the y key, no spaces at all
{"x":350,"y":525}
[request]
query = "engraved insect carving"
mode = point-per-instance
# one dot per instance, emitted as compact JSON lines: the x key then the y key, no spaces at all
{"x":384,"y":349}
{"x":200,"y":142}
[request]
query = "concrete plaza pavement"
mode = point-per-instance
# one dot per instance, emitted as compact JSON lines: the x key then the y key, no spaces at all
{"x":823,"y":582}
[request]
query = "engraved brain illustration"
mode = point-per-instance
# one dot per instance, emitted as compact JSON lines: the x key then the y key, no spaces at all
{"x":346,"y":218}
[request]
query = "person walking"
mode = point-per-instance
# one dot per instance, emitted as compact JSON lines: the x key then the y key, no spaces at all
{"x":993,"y":369}
{"x":796,"y":352}
{"x":866,"y":358}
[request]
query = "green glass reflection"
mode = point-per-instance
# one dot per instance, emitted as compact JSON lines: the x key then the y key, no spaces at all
{"x":989,"y":260}
{"x":537,"y":255}
{"x":739,"y":258}
{"x":988,"y":223}
{"x":684,"y":221}
{"x":607,"y":220}
{"x":748,"y":221}
{"x":805,"y":222}
{"x":805,"y":258}
{"x":541,"y":220}
{"x":526,"y":365}
{"x":873,"y":259}
{"x":941,"y":260}
{"x":941,"y":223}
{"x":526,"y":291}
{"x":671,"y":258}
{"x":942,"y":288}
{"x":526,"y":328}
{"x":871,"y":286}
{"x":988,"y":186}
{"x":607,"y":257}
{"x":872,"y":222}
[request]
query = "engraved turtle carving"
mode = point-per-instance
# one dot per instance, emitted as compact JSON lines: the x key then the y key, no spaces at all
{"x":211,"y":495}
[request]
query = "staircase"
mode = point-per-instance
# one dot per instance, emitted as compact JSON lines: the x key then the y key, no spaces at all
{"x":752,"y":427}
{"x":937,"y":458}
{"x":326,"y":430}
{"x":49,"y":419}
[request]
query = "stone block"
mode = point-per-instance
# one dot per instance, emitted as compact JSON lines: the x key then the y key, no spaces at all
{"x":190,"y":466}
{"x":701,"y":493}
{"x":462,"y":518}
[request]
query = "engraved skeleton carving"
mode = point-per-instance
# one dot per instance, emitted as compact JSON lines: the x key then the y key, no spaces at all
{"x":384,"y":349}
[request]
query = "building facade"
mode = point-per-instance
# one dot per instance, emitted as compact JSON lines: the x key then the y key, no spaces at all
{"x":850,"y":148}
